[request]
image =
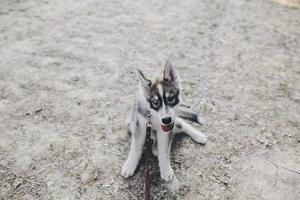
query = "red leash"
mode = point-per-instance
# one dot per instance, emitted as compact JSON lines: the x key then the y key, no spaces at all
{"x":147,"y":155}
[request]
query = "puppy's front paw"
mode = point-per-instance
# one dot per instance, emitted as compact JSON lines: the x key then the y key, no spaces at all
{"x":200,"y":138}
{"x":127,"y":170}
{"x":167,"y":175}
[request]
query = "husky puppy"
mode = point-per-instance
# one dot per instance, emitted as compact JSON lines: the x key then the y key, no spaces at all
{"x":162,"y":97}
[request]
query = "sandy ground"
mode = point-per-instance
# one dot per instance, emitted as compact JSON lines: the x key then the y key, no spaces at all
{"x":67,"y":78}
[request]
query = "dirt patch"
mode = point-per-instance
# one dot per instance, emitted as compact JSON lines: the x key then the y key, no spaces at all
{"x":268,"y":175}
{"x":67,"y":78}
{"x":290,"y":3}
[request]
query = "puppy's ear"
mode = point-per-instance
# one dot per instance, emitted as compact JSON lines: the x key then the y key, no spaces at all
{"x":170,"y":74}
{"x":144,"y":82}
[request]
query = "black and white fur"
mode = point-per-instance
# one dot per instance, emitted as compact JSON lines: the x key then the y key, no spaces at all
{"x":162,"y":96}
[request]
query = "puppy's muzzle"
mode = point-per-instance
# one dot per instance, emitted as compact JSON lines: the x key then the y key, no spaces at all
{"x":167,"y":124}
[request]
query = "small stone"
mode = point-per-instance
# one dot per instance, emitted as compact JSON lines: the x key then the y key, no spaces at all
{"x":236,"y":117}
{"x":268,"y":135}
{"x":263,"y":129}
{"x":75,"y":78}
{"x":269,"y":146}
{"x":85,"y":177}
{"x":17,"y":183}
{"x":38,"y":110}
{"x":260,"y":140}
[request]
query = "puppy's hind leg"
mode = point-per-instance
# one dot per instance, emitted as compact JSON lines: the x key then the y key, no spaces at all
{"x":136,"y":149}
{"x":182,"y":126}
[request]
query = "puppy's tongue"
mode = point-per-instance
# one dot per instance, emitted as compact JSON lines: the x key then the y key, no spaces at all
{"x":167,"y":128}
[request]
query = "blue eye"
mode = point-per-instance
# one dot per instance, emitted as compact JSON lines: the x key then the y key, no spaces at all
{"x":155,"y":102}
{"x":171,"y":99}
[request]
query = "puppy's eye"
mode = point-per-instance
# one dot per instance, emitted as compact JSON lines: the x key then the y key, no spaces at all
{"x":171,"y":99}
{"x":155,"y":102}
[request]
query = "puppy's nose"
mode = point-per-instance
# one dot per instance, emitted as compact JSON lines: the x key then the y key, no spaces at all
{"x":166,"y":120}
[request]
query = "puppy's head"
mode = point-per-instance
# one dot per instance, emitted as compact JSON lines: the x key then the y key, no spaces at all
{"x":163,"y":95}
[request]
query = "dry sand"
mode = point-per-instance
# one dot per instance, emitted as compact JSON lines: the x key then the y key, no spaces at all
{"x":67,"y":77}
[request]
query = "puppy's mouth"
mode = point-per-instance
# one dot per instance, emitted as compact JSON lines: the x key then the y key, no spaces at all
{"x":167,"y":128}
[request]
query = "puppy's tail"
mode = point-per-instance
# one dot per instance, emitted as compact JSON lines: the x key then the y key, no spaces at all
{"x":185,"y":112}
